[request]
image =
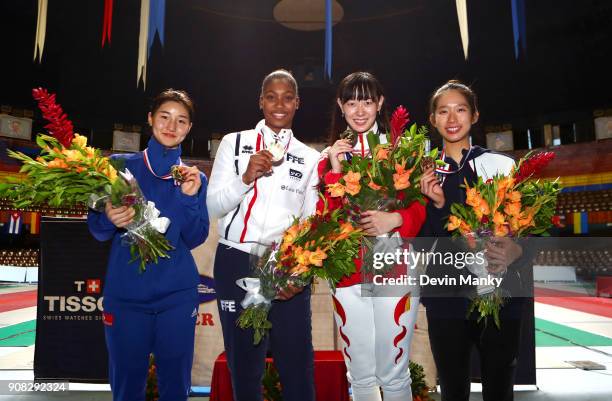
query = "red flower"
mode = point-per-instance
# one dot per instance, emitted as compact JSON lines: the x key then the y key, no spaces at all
{"x":485,"y":219}
{"x":59,"y":125}
{"x":533,"y":165}
{"x":399,"y":119}
{"x":556,"y":220}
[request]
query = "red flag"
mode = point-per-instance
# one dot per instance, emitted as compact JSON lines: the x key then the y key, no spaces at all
{"x":93,"y":286}
{"x":107,"y":23}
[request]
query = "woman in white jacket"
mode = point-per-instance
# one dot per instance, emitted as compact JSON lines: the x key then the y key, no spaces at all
{"x":261,"y":179}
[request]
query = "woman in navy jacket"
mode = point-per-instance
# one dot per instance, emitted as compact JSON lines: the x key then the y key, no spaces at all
{"x":452,"y":335}
{"x":155,"y":311}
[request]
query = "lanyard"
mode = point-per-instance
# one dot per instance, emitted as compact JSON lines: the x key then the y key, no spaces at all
{"x":163,"y":177}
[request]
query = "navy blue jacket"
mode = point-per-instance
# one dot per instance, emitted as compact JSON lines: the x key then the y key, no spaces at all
{"x":172,"y":280}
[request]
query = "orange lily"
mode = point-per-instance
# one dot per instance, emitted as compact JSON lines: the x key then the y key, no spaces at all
{"x":57,"y":163}
{"x":79,"y":140}
{"x":352,"y":182}
{"x":498,"y":218}
{"x":352,"y":177}
{"x":513,"y":209}
{"x":454,"y":223}
{"x":72,"y":155}
{"x":316,"y":258}
{"x":501,"y":230}
{"x":336,"y":189}
{"x":299,"y":269}
{"x":401,"y":178}
{"x":345,"y":230}
{"x":482,"y":209}
{"x":373,"y":185}
{"x":382,"y":153}
{"x":353,"y":188}
{"x":513,"y":196}
{"x":473,"y":197}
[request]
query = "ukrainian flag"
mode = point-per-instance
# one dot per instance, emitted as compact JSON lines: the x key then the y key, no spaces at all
{"x":581,"y":223}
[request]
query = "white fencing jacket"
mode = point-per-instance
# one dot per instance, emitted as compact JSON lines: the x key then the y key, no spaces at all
{"x":259,"y":213}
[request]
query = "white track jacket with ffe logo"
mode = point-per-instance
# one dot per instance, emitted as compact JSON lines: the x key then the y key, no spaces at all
{"x":259,"y":213}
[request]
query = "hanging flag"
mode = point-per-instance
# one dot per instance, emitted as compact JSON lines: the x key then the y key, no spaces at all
{"x":581,"y":222}
{"x":519,"y":27}
{"x":142,"y":42}
{"x":157,"y":16}
{"x":107,"y":22}
{"x":327,"y":65}
{"x":152,"y":17}
{"x":35,"y":223}
{"x":41,"y":30}
{"x":463,"y":25}
{"x":15,"y":223}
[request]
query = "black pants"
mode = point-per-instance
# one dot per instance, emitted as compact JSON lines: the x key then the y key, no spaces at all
{"x":451,"y":343}
{"x":290,"y":338}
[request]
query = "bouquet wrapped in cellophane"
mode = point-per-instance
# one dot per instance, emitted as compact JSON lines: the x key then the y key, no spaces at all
{"x":321,"y":245}
{"x":515,"y":206}
{"x":69,"y":172}
{"x":386,"y":181}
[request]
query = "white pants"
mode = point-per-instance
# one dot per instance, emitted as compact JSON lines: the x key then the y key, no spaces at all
{"x":376,"y":334}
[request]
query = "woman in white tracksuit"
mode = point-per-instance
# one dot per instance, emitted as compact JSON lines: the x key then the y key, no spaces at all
{"x":255,"y":198}
{"x":376,"y":330}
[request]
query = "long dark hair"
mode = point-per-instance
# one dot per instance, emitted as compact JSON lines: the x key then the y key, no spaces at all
{"x":359,"y":85}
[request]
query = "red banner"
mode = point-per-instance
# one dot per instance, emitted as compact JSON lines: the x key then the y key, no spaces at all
{"x":107,"y":23}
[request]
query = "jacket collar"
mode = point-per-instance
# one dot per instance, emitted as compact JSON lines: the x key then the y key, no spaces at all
{"x":283,"y":136}
{"x":161,"y":158}
{"x":361,"y":146}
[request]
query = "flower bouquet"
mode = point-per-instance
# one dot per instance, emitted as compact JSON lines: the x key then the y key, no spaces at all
{"x":387,"y":181}
{"x":320,"y":246}
{"x":68,"y":172}
{"x":504,"y":206}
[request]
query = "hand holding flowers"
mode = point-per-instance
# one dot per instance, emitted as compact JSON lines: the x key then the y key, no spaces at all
{"x":68,"y":172}
{"x":320,"y":246}
{"x":499,"y":210}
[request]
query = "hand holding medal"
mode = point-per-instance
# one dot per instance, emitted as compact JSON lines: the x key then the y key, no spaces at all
{"x":278,"y":152}
{"x":188,"y":178}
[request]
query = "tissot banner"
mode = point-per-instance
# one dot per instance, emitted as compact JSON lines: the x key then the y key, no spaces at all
{"x":69,"y":331}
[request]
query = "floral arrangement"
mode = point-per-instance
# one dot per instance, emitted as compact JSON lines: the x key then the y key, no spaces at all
{"x":271,"y":383}
{"x":320,"y":246}
{"x":505,"y":206}
{"x":69,"y":172}
{"x":152,"y":389}
{"x":389,"y":180}
{"x":418,"y":386}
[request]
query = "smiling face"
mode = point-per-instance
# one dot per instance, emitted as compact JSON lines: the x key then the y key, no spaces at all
{"x":360,"y":115}
{"x":453,"y":117}
{"x":170,"y":123}
{"x":279,"y":101}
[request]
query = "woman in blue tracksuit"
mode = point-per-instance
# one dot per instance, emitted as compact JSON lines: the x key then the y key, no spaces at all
{"x":155,"y":311}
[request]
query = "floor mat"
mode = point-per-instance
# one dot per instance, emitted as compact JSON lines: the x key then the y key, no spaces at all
{"x":18,"y":335}
{"x":17,"y":300}
{"x":550,"y":334}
